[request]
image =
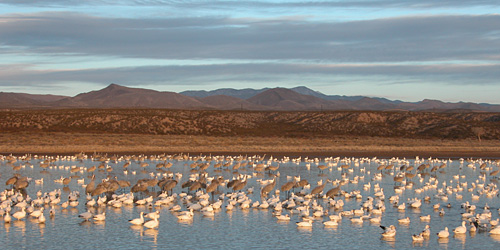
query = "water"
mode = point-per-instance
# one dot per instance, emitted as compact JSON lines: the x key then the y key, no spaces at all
{"x":246,"y":228}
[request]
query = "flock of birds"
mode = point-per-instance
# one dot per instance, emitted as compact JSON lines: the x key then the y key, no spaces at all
{"x":205,"y":191}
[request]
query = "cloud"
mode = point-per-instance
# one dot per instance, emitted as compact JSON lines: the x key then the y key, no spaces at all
{"x":256,"y":73}
{"x":420,"y":4}
{"x":412,"y":38}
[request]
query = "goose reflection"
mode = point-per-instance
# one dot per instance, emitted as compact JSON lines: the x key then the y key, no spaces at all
{"x":152,"y":232}
{"x":85,"y":223}
{"x":460,"y":237}
{"x":20,"y":224}
{"x":495,"y":237}
{"x":443,"y":241}
{"x":100,"y":223}
{"x":391,"y":241}
{"x":137,"y":227}
{"x":42,"y":229}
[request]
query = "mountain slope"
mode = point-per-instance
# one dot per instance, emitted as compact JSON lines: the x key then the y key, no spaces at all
{"x":8,"y":100}
{"x":238,"y":93}
{"x":124,"y":97}
{"x":283,"y":99}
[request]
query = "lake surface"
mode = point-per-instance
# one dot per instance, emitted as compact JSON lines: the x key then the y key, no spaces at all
{"x":253,"y":227}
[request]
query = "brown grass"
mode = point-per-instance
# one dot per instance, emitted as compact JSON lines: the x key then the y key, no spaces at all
{"x":341,"y":133}
{"x":69,"y":143}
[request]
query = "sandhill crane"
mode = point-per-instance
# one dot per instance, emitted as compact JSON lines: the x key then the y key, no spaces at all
{"x":169,"y":185}
{"x":288,"y":186}
{"x":268,"y":188}
{"x":212,"y":187}
{"x":317,"y":190}
{"x":90,"y":186}
{"x":91,"y":169}
{"x":322,"y":168}
{"x":66,"y":181}
{"x":240,"y":185}
{"x":332,"y":192}
{"x":21,"y":183}
{"x":12,"y":180}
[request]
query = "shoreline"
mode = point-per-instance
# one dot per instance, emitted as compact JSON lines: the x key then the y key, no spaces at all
{"x":57,"y":143}
{"x":380,"y":155}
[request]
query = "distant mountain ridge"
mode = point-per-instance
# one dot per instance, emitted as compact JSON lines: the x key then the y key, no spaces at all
{"x":280,"y":99}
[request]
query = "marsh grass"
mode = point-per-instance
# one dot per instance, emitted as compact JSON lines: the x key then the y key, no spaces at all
{"x":57,"y":142}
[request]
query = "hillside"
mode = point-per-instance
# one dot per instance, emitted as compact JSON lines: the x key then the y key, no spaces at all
{"x":277,"y":99}
{"x":254,"y":123}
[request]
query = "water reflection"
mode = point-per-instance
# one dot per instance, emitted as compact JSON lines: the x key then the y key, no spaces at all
{"x":391,"y":241}
{"x":495,"y":237}
{"x":443,"y":241}
{"x":100,"y":223}
{"x":461,"y":238}
{"x":7,"y":227}
{"x":152,"y":232}
{"x":85,"y":224}
{"x":229,"y":222}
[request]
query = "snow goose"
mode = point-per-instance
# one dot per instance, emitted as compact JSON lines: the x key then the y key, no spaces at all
{"x":137,"y":221}
{"x":19,"y":214}
{"x":41,"y":219}
{"x":425,"y":218}
{"x":495,"y":231}
{"x":282,"y":217}
{"x":404,"y":220}
{"x":417,"y":237}
{"x":443,"y":233}
{"x":330,"y":223}
{"x":7,"y":218}
{"x":461,"y":229}
{"x":152,"y":223}
{"x":86,"y":215}
{"x":389,"y":231}
{"x":427,"y":231}
{"x":305,"y":223}
{"x":100,"y":217}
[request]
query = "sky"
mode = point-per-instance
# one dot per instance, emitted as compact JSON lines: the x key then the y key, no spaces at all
{"x":406,"y":50}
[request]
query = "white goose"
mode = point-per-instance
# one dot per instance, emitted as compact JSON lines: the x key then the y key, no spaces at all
{"x":19,"y":214}
{"x":404,"y":220}
{"x":495,"y":231}
{"x":41,"y":219}
{"x":137,"y":221}
{"x":389,"y":231}
{"x":461,"y":229}
{"x":86,"y":215}
{"x":185,"y":215}
{"x":443,"y":233}
{"x":153,"y":215}
{"x":427,"y":231}
{"x":7,"y":218}
{"x":305,"y":223}
{"x":330,"y":223}
{"x":417,"y":237}
{"x":37,"y":213}
{"x":152,"y":223}
{"x":100,"y":217}
{"x":282,"y":217}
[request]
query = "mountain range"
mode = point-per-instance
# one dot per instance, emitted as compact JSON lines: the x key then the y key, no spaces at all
{"x":276,"y":99}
